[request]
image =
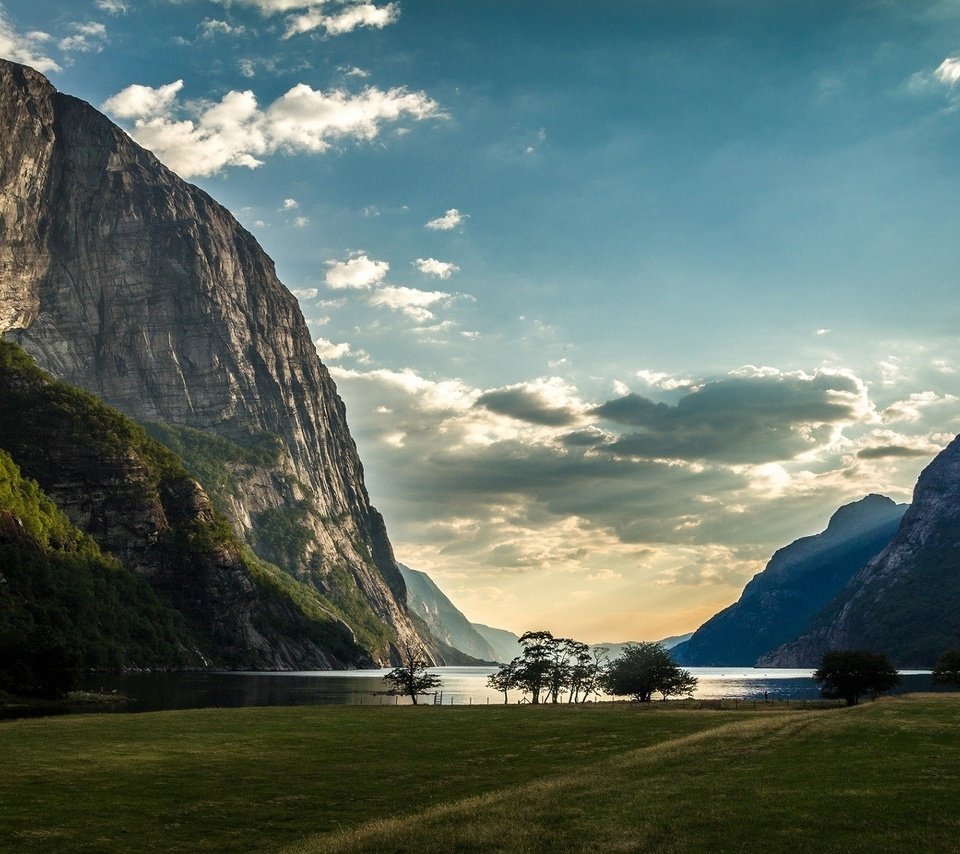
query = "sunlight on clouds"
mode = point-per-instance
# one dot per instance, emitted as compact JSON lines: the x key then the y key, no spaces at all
{"x":203,"y":139}
{"x":328,"y":351}
{"x":359,"y":272}
{"x":87,"y":38}
{"x":450,"y":220}
{"x":26,"y":48}
{"x":433,"y":267}
{"x":949,"y":71}
{"x":412,"y":302}
{"x":346,"y":20}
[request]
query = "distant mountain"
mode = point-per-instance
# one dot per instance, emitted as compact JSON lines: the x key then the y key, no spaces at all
{"x":506,"y":645}
{"x":905,"y":602}
{"x":675,"y":640}
{"x":615,"y":650}
{"x":800,"y":579}
{"x":442,"y":617}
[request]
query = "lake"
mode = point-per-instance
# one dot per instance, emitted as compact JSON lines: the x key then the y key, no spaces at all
{"x":461,"y":686}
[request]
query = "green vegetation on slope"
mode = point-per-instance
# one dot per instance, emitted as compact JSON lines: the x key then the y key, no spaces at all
{"x":142,"y":496}
{"x":65,"y":605}
{"x":617,"y":777}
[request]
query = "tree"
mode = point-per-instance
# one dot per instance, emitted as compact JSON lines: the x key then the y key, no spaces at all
{"x":947,"y":671}
{"x":411,"y":678}
{"x":848,"y":674}
{"x":643,"y":668}
{"x":503,"y":679}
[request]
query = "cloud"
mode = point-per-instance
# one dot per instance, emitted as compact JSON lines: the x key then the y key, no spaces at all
{"x":948,"y":72}
{"x":290,"y":204}
{"x":112,"y":7}
{"x":358,"y":272}
{"x":86,"y":38}
{"x":411,"y":301}
{"x":203,"y":138}
{"x":328,"y":351}
{"x":247,"y":68}
{"x":550,"y":402}
{"x":451,"y":219}
{"x":438,"y":269}
{"x":748,"y":417}
{"x":301,"y":222}
{"x":211,"y":27}
{"x":345,"y":20}
{"x":910,"y":409}
{"x":887,"y":451}
{"x":25,"y":48}
{"x":305,"y":293}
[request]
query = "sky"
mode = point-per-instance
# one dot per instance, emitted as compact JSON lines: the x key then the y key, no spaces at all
{"x":620,"y":296}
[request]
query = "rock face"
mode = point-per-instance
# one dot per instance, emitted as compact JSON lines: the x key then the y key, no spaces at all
{"x":905,"y":602}
{"x":800,"y":579}
{"x":122,"y":279}
{"x":442,"y":617}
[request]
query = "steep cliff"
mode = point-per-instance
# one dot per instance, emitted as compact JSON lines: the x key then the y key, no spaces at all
{"x":143,"y":510}
{"x":444,"y":620}
{"x":122,"y":279}
{"x":778,"y":603}
{"x":905,"y":602}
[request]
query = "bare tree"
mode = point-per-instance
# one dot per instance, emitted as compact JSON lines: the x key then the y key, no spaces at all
{"x":411,"y":678}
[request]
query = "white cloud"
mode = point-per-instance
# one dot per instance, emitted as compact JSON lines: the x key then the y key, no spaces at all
{"x":823,"y":331}
{"x":433,"y":267}
{"x":301,"y":222}
{"x":112,"y":7}
{"x":330,"y":352}
{"x":86,"y":38}
{"x":246,"y":68}
{"x":662,"y":380}
{"x":948,"y":71}
{"x":909,"y":409}
{"x":358,"y":272}
{"x":211,"y":27}
{"x":451,"y":219}
{"x":353,"y":71}
{"x":345,"y":20}
{"x":26,"y":49}
{"x":203,"y":138}
{"x":290,"y":204}
{"x":412,"y":302}
{"x":138,"y":101}
{"x":305,"y":293}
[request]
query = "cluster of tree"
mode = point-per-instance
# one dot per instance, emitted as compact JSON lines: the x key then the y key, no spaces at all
{"x":947,"y":671}
{"x":550,"y":669}
{"x":849,"y":674}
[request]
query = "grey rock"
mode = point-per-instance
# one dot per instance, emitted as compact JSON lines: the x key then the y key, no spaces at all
{"x":121,"y":278}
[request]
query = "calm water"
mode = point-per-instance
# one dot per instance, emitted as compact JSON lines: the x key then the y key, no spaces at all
{"x":461,"y":686}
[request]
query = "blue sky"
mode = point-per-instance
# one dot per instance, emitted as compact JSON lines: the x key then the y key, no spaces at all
{"x":620,"y":296}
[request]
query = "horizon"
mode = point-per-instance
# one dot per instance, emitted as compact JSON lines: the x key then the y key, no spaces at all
{"x":619,"y":303}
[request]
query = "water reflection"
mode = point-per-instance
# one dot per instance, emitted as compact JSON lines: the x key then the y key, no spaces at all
{"x":461,"y":686}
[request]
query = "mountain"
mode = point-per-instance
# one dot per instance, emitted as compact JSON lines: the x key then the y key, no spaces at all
{"x":505,"y":644}
{"x":675,"y":640}
{"x":442,"y":617}
{"x":800,"y":579}
{"x":119,"y":278}
{"x":154,"y":531}
{"x":905,"y":602}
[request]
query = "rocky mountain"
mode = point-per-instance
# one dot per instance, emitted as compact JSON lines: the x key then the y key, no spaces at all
{"x":120,"y":278}
{"x":505,"y":644}
{"x":158,"y":555}
{"x":442,"y":617}
{"x":905,"y":602}
{"x":800,"y":579}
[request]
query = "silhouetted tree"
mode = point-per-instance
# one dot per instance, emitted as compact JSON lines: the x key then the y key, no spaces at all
{"x":503,"y":679}
{"x":410,"y":678}
{"x":947,"y":671}
{"x":643,"y":668}
{"x":848,"y":674}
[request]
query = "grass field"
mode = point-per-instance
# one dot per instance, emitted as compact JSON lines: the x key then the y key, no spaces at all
{"x":611,"y":777}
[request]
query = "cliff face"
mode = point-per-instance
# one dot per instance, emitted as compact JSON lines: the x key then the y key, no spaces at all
{"x":120,"y":278}
{"x":799,"y":580}
{"x":444,"y":620}
{"x":905,"y":602}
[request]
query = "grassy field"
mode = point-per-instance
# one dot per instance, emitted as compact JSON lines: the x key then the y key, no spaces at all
{"x":881,"y":777}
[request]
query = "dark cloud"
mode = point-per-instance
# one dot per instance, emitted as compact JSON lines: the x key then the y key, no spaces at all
{"x":734,"y":420}
{"x":591,"y":437}
{"x":526,"y":404}
{"x":885,"y":451}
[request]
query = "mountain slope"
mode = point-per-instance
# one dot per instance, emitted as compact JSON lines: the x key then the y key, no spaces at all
{"x":135,"y":499}
{"x":905,"y":602}
{"x":442,"y":617}
{"x":505,"y":644}
{"x":778,"y":603}
{"x":122,"y":279}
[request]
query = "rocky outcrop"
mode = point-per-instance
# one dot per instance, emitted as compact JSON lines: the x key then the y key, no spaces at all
{"x":800,"y":579}
{"x":444,"y":620}
{"x":122,"y":279}
{"x":905,"y":602}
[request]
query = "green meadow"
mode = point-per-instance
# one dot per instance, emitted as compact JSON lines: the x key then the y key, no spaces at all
{"x":884,"y":776}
